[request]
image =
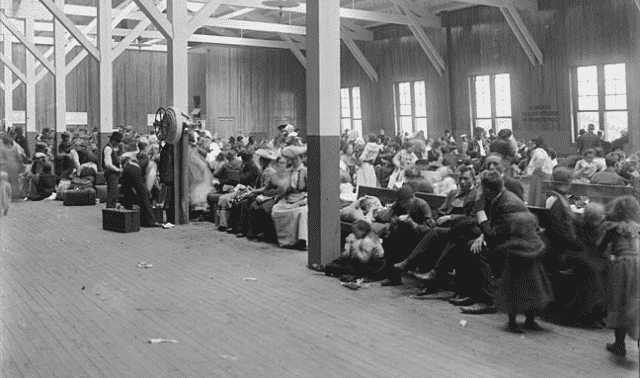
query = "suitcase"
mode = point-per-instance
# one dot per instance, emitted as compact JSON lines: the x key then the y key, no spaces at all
{"x":123,"y":221}
{"x":158,"y":213}
{"x":79,"y":197}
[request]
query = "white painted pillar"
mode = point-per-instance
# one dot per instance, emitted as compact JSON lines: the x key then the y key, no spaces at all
{"x":323,"y":129}
{"x":106,"y":66}
{"x":178,"y":92}
{"x":8,"y":76}
{"x":60,"y":82}
{"x":30,"y":75}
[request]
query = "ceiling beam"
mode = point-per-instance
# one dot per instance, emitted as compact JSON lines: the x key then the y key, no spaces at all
{"x":135,"y":33}
{"x":524,"y":30}
{"x":422,"y":38}
{"x":518,"y":33}
{"x":360,"y":57}
{"x":359,"y":30}
{"x":203,"y":14}
{"x":286,"y":38}
{"x":156,"y":17}
{"x":28,"y":44}
{"x":16,"y":71}
{"x":71,"y":27}
{"x":530,"y":5}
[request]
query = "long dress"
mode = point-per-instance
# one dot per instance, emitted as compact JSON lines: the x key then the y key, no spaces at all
{"x":200,"y":181}
{"x":290,"y":214}
{"x":624,"y":300}
{"x":11,"y":162}
{"x":403,"y":161}
{"x":365,"y":173}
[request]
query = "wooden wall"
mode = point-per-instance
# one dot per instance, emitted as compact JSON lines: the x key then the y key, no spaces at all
{"x":251,"y":90}
{"x":582,"y":33}
{"x":397,"y":57}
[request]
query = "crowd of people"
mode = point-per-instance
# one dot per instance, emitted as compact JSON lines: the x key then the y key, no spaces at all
{"x":482,"y":249}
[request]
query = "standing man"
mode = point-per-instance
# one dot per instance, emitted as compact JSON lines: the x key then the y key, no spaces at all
{"x":588,"y":141}
{"x":112,"y":169}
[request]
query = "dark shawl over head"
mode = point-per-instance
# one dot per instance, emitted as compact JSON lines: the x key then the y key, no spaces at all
{"x":520,"y":236}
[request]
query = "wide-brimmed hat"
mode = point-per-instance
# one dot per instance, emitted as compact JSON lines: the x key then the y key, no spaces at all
{"x":117,"y":136}
{"x":267,"y":154}
{"x":293,"y":151}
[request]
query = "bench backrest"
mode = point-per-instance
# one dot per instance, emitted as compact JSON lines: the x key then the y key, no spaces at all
{"x":596,"y":193}
{"x":389,"y":195}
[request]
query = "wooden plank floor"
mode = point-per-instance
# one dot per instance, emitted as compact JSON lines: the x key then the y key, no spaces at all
{"x":74,"y":304}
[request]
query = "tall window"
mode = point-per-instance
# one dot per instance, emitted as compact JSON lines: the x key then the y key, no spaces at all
{"x":350,"y":110}
{"x":599,"y":96}
{"x":410,"y":107}
{"x":491,"y":101}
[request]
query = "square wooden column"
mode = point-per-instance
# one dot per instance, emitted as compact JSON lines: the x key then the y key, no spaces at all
{"x":8,"y":75}
{"x":30,"y":76}
{"x":178,"y":97}
{"x":60,"y":82}
{"x":105,"y":77}
{"x":323,"y":129}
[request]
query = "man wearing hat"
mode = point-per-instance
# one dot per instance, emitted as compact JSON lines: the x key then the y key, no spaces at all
{"x":112,"y":169}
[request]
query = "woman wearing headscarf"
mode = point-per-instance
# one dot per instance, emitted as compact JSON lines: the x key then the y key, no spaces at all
{"x":11,"y":162}
{"x":365,"y":173}
{"x":259,"y":223}
{"x":200,"y":179}
{"x":290,"y":213}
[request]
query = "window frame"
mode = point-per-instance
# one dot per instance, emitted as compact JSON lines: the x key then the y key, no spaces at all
{"x":351,"y":118}
{"x":602,"y":98}
{"x":492,"y":100}
{"x":412,"y":99}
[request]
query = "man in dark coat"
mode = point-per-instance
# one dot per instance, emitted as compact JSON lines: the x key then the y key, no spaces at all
{"x":477,"y":271}
{"x":588,"y":141}
{"x":134,"y":192}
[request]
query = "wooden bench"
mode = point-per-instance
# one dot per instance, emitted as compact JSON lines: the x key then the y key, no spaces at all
{"x":596,"y":193}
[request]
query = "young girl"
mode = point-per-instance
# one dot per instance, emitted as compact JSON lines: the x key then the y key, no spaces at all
{"x":5,"y":193}
{"x":362,"y":254}
{"x":623,"y":237}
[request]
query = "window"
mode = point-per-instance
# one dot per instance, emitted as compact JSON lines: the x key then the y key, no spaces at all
{"x":350,"y":110}
{"x":410,"y":107}
{"x":491,"y":101}
{"x":599,"y":96}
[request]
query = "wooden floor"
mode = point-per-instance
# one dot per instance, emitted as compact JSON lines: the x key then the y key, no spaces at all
{"x":74,"y":304}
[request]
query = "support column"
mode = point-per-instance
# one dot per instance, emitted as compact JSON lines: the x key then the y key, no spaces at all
{"x":323,"y":129}
{"x":8,"y":76}
{"x":30,"y":75}
{"x":178,"y":97}
{"x":105,"y":77}
{"x":60,"y":82}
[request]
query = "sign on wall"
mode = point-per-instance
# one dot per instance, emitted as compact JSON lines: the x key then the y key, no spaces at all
{"x":541,"y":117}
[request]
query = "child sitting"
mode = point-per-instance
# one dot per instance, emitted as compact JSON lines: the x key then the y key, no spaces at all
{"x":362,"y":255}
{"x":623,"y":237}
{"x":5,"y":193}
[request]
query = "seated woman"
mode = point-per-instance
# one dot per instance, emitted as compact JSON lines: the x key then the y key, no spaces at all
{"x":290,"y":213}
{"x":586,"y":167}
{"x":259,"y":224}
{"x":241,"y":205}
{"x":249,"y":176}
{"x":44,"y":184}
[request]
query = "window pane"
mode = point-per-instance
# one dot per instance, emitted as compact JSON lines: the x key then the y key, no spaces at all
{"x":357,"y":125}
{"x":503,"y":123}
{"x":483,"y":96}
{"x":421,"y":125}
{"x":420,"y":98}
{"x":355,"y":99}
{"x":615,"y":86}
{"x":345,"y":108}
{"x":588,"y":103}
{"x":588,"y":88}
{"x":585,"y":118}
{"x":404,"y":90}
{"x":484,"y":123}
{"x":406,"y":125}
{"x":503,"y":95}
{"x":615,"y":123}
{"x":346,"y":124}
{"x":405,"y":110}
{"x":615,"y":102}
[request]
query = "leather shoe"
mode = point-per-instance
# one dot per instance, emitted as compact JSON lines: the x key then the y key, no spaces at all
{"x":429,"y":276}
{"x":618,"y":350}
{"x":430,"y":294}
{"x":461,"y":301}
{"x":391,"y":282}
{"x":514,"y":328}
{"x":478,"y":308}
